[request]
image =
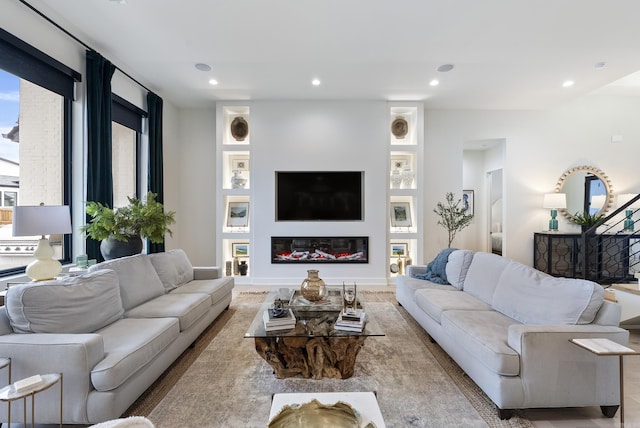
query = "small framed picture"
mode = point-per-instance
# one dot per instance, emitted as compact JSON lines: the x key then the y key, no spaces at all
{"x":240,"y":249}
{"x":399,"y":249}
{"x":241,"y":164}
{"x":467,"y":201}
{"x":238,"y":214}
{"x":400,"y":214}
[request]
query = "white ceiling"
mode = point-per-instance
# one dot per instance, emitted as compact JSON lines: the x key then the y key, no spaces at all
{"x":508,"y":54}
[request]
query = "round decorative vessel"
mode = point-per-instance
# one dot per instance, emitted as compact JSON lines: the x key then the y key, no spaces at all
{"x":399,"y":127}
{"x":113,"y":249}
{"x":313,"y":287}
{"x":239,"y":128}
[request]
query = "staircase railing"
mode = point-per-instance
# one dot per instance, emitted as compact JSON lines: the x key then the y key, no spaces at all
{"x":610,"y":249}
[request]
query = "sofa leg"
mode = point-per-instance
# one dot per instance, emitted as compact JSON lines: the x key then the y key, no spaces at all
{"x":504,"y":414}
{"x":609,"y":411}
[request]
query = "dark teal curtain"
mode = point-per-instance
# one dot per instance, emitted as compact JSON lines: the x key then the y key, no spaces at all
{"x":99,"y":179}
{"x":156,"y":180}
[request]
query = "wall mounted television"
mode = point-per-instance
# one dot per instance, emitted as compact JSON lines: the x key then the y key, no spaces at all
{"x":319,"y":195}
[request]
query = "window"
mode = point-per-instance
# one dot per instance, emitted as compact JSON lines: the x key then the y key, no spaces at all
{"x":125,"y":148}
{"x":35,"y":116}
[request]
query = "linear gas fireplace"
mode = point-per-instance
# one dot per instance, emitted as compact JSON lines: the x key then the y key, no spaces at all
{"x":353,"y":249}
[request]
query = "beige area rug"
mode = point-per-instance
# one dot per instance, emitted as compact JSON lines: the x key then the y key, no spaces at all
{"x":222,"y":382}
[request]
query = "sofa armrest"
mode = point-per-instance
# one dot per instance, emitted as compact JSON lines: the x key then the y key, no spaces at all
{"x":207,"y":272}
{"x":72,"y":354}
{"x":415,"y":269}
{"x":558,"y":373}
{"x":521,"y":335}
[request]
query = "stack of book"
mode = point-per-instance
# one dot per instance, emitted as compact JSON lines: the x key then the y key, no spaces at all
{"x":284,"y":322}
{"x":351,"y":321}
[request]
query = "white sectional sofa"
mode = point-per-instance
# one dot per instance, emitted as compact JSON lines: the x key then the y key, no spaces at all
{"x":111,"y":331}
{"x":508,"y":327}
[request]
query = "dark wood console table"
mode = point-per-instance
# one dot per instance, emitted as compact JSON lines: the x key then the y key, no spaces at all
{"x":610,"y":256}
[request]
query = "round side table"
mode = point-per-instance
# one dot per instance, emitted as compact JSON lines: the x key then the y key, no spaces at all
{"x":9,"y":394}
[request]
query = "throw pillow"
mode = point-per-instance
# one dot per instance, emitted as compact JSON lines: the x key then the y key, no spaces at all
{"x":81,"y":304}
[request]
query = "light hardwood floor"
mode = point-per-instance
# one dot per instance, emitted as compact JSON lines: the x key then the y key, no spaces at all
{"x":589,"y":417}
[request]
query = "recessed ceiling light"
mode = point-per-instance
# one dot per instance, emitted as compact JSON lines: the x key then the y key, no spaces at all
{"x":119,"y":1}
{"x":213,"y":81}
{"x":203,"y":67}
{"x":434,"y":82}
{"x":315,"y":82}
{"x":445,"y":67}
{"x":599,"y":65}
{"x":568,"y":83}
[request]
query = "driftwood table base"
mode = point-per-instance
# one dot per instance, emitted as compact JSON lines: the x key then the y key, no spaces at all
{"x":311,"y":357}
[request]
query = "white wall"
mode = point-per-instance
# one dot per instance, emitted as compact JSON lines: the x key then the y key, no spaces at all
{"x":332,"y":136}
{"x":540,"y":146}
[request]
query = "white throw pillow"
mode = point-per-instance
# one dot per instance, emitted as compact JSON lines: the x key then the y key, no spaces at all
{"x":81,"y":304}
{"x":458,"y":266}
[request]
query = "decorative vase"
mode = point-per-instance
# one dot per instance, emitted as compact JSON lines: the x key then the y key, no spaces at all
{"x":242,"y":267}
{"x":313,"y":287}
{"x":236,"y":266}
{"x":237,"y":182}
{"x":396,"y":179}
{"x":407,"y":176}
{"x":114,"y":249}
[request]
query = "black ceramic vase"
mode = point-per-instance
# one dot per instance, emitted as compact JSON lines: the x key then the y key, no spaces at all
{"x":113,"y":249}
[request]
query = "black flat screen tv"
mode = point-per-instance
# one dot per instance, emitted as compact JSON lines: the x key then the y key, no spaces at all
{"x":319,"y":195}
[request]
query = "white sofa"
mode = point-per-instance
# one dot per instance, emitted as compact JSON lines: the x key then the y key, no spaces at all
{"x":508,"y":327}
{"x":112,"y":331}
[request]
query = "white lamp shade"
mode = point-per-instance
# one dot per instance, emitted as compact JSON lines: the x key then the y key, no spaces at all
{"x":626,"y":197}
{"x":41,"y":220}
{"x":554,"y":200}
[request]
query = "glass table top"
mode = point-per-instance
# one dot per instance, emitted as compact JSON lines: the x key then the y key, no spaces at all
{"x":312,"y":319}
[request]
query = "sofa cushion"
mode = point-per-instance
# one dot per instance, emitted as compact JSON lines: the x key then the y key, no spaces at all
{"x":533,"y":297}
{"x":435,"y":302}
{"x":484,"y":334}
{"x":129,"y":345}
{"x":458,"y":266}
{"x":138,"y":280}
{"x":483,"y":275}
{"x":188,"y":308}
{"x":81,"y":304}
{"x":216,"y":288}
{"x":173,"y":268}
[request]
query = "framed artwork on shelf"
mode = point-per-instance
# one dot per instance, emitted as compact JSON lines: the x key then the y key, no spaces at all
{"x":400,"y":214}
{"x":238,"y":214}
{"x":240,"y":249}
{"x":399,"y":249}
{"x":467,"y":201}
{"x":240,"y":163}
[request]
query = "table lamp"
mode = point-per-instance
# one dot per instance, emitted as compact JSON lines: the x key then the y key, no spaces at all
{"x":42,"y":220}
{"x":628,"y":225}
{"x":554,"y":201}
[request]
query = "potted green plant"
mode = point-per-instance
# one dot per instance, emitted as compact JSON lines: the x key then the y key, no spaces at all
{"x":121,"y":229}
{"x":586,"y":220}
{"x":453,"y":217}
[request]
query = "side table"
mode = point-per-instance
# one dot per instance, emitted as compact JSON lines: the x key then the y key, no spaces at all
{"x":9,"y":394}
{"x":603,"y":347}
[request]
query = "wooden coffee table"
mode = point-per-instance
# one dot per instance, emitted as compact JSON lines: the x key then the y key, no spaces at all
{"x":313,"y":349}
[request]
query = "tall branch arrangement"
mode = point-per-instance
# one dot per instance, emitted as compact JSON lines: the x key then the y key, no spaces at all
{"x":452,"y":216}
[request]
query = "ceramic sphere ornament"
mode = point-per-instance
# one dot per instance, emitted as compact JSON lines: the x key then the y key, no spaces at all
{"x":399,"y":127}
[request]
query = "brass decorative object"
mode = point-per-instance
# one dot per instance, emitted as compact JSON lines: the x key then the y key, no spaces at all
{"x":313,"y":287}
{"x":317,"y":415}
{"x":239,"y":128}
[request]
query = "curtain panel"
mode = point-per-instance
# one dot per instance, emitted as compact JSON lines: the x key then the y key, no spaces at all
{"x":99,"y":178}
{"x":156,"y":173}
